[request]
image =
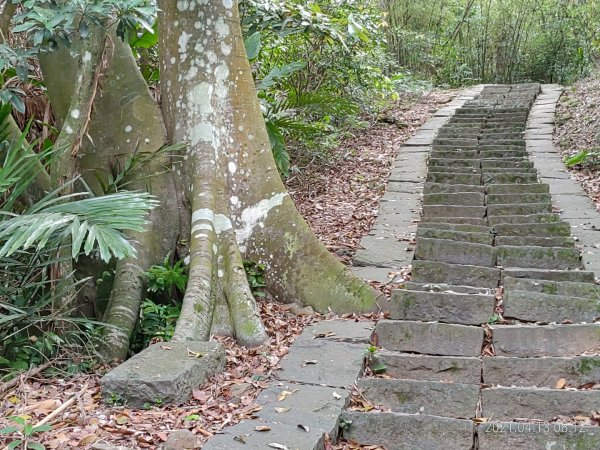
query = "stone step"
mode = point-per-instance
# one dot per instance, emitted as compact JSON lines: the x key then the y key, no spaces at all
{"x":499,"y":199}
{"x":541,"y":372}
{"x":560,"y":258}
{"x":485,"y":147}
{"x":453,"y":162}
{"x":454,"y":178}
{"x":466,"y":309}
{"x":395,"y":431}
{"x":496,"y":135}
{"x":503,"y":403}
{"x":527,"y":219}
{"x":450,"y":288}
{"x":439,"y":272}
{"x":464,"y":228}
{"x":556,"y":241}
{"x":444,"y":369}
{"x":445,"y":250}
{"x":469,"y":170}
{"x":502,"y":153}
{"x":457,"y":199}
{"x":559,"y":228}
{"x":477,"y":238}
{"x":576,"y":276}
{"x":450,"y":133}
{"x":456,"y":220}
{"x":454,"y":400}
{"x":453,"y":153}
{"x":510,"y":125}
{"x":438,"y":210}
{"x":429,"y":338}
{"x":533,"y":188}
{"x":494,"y":170}
{"x":564,"y":288}
{"x":546,"y":340}
{"x":535,"y":435}
{"x":509,"y":178}
{"x":509,"y":163}
{"x":517,"y":209}
{"x":458,"y":142}
{"x":540,"y":307}
{"x":441,"y":188}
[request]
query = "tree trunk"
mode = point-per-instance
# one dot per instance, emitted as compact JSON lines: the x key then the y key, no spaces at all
{"x":227,"y":197}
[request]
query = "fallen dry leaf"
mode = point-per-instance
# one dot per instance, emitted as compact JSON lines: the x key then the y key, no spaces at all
{"x":560,"y":384}
{"x":262,"y":428}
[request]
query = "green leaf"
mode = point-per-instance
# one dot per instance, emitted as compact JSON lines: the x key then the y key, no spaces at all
{"x":35,"y":446}
{"x":252,"y":44}
{"x":14,"y":444}
{"x":41,"y":428}
{"x":577,"y":158}
{"x":9,"y":430}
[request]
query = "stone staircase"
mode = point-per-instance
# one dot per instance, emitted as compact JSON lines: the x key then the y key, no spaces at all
{"x":493,"y":343}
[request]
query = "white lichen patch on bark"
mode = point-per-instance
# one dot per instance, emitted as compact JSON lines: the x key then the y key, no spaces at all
{"x":253,"y":216}
{"x":206,"y":219}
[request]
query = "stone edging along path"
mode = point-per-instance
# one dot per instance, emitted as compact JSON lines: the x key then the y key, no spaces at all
{"x":489,"y":248}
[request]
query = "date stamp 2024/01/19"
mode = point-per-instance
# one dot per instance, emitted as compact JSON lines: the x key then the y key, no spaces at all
{"x":531,"y":427}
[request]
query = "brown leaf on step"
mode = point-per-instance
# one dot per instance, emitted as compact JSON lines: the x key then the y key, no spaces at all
{"x":278,"y":446}
{"x":283,"y":395}
{"x":560,"y":384}
{"x":87,"y":440}
{"x":481,"y":420}
{"x":262,"y":428}
{"x":166,"y":347}
{"x":241,"y":438}
{"x":281,"y":410}
{"x":323,"y":335}
{"x":309,"y":361}
{"x":304,"y":427}
{"x":336,"y":395}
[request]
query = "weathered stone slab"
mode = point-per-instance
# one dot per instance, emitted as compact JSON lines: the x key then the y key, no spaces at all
{"x":445,"y":369}
{"x":478,"y":238}
{"x":494,"y":170}
{"x":338,"y":363}
{"x":547,"y":340}
{"x":435,"y":188}
{"x":427,"y":397}
{"x":556,"y":241}
{"x":454,"y":211}
{"x":338,"y":330}
{"x":164,"y":372}
{"x":564,"y":288}
{"x":494,"y":199}
{"x":449,"y":288}
{"x":466,"y":309}
{"x":451,"y":152}
{"x":458,"y":227}
{"x":456,"y":220}
{"x":438,"y":272}
{"x":429,"y":338}
{"x":577,"y":276}
{"x":539,"y":188}
{"x":509,"y":163}
{"x":539,"y":257}
{"x":406,"y":432}
{"x":457,"y":199}
{"x":448,"y":162}
{"x":507,"y":178}
{"x":559,"y":228}
{"x":503,"y":435}
{"x":528,"y":219}
{"x":515,"y":209}
{"x":540,"y":307}
{"x":542,"y":404}
{"x":455,"y":142}
{"x":541,"y":372}
{"x":454,"y":178}
{"x":445,"y":250}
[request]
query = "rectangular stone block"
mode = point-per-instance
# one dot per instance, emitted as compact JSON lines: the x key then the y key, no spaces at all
{"x":508,"y":178}
{"x":466,"y":309}
{"x":444,"y":250}
{"x":453,"y":211}
{"x":451,"y":152}
{"x":427,"y":397}
{"x":563,"y":288}
{"x":533,"y":188}
{"x":457,"y":227}
{"x":503,"y":199}
{"x":557,"y":229}
{"x":541,"y":372}
{"x":546,"y":340}
{"x":456,"y":220}
{"x":438,"y":272}
{"x":515,"y":209}
{"x":542,"y":404}
{"x":531,"y":306}
{"x":577,"y":276}
{"x":429,"y":338}
{"x":457,"y":199}
{"x":454,"y":178}
{"x":441,"y":188}
{"x":396,"y":431}
{"x":452,"y":162}
{"x":509,"y":163}
{"x":527,"y":219}
{"x":445,"y":369}
{"x":539,"y":257}
{"x":556,"y":241}
{"x":478,"y":238}
{"x":164,"y":372}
